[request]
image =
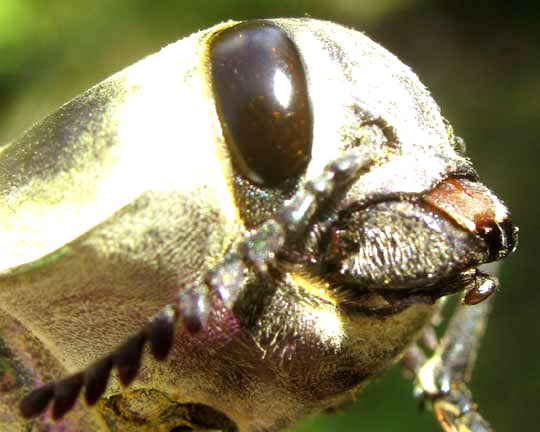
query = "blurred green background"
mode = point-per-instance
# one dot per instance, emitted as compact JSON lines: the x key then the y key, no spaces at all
{"x":481,"y":60}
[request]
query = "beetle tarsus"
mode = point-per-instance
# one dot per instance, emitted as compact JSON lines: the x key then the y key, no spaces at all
{"x":442,"y":379}
{"x":456,"y":411}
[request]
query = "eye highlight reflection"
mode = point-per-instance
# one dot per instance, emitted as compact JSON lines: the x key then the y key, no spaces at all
{"x":282,"y":89}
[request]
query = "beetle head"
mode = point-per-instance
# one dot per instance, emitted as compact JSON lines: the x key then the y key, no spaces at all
{"x":418,"y":220}
{"x":341,"y":167}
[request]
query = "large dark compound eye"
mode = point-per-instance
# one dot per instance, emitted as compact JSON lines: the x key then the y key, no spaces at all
{"x":261,"y":97}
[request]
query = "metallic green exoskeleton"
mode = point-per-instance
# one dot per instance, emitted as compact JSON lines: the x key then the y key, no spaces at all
{"x":277,"y":204}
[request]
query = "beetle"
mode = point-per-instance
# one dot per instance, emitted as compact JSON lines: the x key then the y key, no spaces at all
{"x":237,"y":232}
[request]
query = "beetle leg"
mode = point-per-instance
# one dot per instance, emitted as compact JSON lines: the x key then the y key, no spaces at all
{"x":413,"y":360}
{"x":442,"y":379}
